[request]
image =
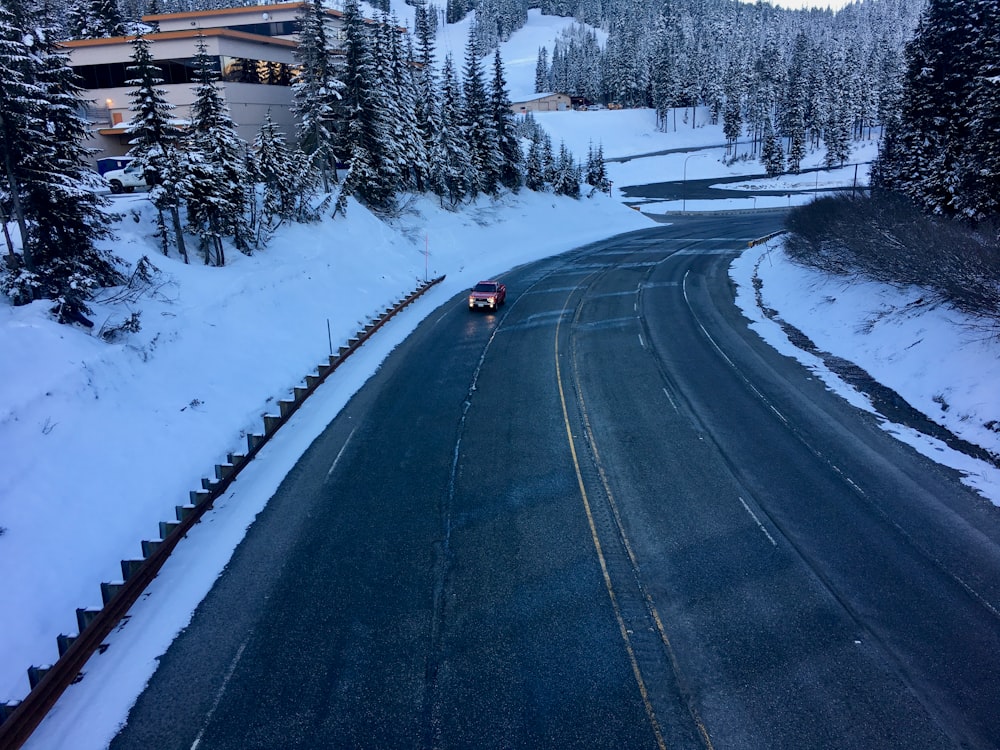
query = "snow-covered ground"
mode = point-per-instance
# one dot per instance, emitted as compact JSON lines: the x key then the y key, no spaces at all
{"x":102,"y":440}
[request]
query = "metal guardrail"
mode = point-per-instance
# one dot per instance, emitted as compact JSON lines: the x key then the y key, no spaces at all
{"x":95,"y":625}
{"x":766,"y":238}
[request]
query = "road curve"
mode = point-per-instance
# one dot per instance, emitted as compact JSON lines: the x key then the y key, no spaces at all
{"x":606,"y":516}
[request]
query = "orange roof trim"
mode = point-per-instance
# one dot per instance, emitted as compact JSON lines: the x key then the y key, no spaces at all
{"x":186,"y":34}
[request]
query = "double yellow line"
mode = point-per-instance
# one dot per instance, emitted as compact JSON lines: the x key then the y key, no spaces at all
{"x":595,"y":538}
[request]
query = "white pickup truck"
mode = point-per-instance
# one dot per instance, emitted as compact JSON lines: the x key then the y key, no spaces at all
{"x":125,"y":180}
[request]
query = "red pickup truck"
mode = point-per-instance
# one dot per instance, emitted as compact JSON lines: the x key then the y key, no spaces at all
{"x":488,"y":294}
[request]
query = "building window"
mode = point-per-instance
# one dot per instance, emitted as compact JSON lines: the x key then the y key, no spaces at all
{"x":273,"y":28}
{"x":232,"y":69}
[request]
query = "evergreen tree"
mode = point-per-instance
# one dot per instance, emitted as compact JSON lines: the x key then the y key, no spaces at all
{"x":535,"y":167}
{"x":542,"y":71}
{"x":373,"y":174}
{"x":46,"y":177}
{"x":276,"y":170}
{"x":566,"y":179}
{"x":837,"y":128}
{"x":404,"y":112}
{"x":317,"y":92}
{"x":732,"y":121}
{"x":18,"y":97}
{"x":477,"y":125}
{"x":155,"y":138}
{"x":596,"y":173}
{"x":217,"y":186}
{"x":978,"y":167}
{"x":451,"y":154}
{"x":94,"y":19}
{"x":771,"y":154}
{"x":426,"y":105}
{"x":938,"y":151}
{"x":511,"y":156}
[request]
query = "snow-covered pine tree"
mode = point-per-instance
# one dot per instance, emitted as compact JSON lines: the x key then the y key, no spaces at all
{"x":411,"y":148}
{"x":534,"y":168}
{"x":456,"y":10}
{"x":423,"y":29}
{"x":317,"y":92}
{"x":19,"y":130}
{"x":978,"y":166}
{"x":665,"y":67}
{"x":373,"y":175}
{"x":451,"y":156}
{"x":794,"y":103}
{"x":155,"y":140}
{"x":542,"y":71}
{"x":61,"y":211}
{"x":732,"y":120}
{"x":217,"y":187}
{"x":596,"y":173}
{"x":505,"y":127}
{"x":289,"y":183}
{"x":477,"y":124}
{"x":547,"y":160}
{"x":426,"y":104}
{"x":94,"y":19}
{"x":566,"y":179}
{"x":837,"y":127}
{"x":771,"y":154}
{"x":936,"y":152}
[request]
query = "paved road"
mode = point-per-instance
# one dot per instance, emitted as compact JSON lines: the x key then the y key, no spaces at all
{"x":606,"y":517}
{"x":701,"y":189}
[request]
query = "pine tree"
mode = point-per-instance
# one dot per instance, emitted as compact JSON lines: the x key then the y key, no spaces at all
{"x":288,"y":182}
{"x":317,"y":92}
{"x":451,"y":155}
{"x":18,"y":97}
{"x":771,"y":154}
{"x":94,"y":19}
{"x":938,"y":151}
{"x":478,"y":126}
{"x":217,"y":187}
{"x":535,"y":169}
{"x":542,"y":71}
{"x":596,"y":173}
{"x":373,"y":174}
{"x":59,"y":213}
{"x":410,"y":149}
{"x":155,"y":140}
{"x":426,"y":104}
{"x":566,"y":180}
{"x":837,"y":128}
{"x":732,"y":122}
{"x":511,"y":156}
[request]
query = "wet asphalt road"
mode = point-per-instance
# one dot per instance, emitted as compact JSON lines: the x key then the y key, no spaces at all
{"x":607,"y":516}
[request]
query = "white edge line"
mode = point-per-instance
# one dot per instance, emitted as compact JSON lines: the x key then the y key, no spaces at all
{"x":757,"y":521}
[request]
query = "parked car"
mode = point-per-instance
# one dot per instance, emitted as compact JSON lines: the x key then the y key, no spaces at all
{"x":106,"y":163}
{"x":488,"y":294}
{"x":125,"y":180}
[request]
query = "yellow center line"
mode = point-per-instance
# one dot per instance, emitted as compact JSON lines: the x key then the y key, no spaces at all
{"x":650,"y":713}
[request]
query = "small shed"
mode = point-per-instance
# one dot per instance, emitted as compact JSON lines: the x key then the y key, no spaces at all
{"x":548,"y":102}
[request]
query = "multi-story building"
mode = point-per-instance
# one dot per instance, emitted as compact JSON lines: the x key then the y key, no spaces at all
{"x":255,"y":49}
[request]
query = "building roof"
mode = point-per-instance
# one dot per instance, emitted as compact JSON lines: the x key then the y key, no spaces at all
{"x":186,"y":34}
{"x":234,"y":11}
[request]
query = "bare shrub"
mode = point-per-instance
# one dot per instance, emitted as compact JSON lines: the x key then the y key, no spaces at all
{"x":886,"y":238}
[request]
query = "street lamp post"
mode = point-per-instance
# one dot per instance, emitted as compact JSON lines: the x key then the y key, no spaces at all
{"x":684,"y":181}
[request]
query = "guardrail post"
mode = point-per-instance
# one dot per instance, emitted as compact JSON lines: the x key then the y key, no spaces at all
{"x":35,"y":674}
{"x":63,"y":642}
